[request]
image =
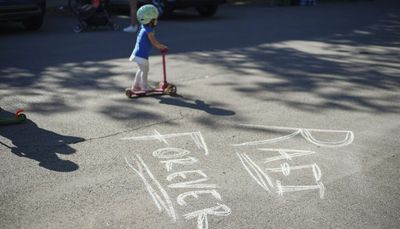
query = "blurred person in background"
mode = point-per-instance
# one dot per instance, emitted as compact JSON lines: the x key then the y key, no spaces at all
{"x":132,"y":28}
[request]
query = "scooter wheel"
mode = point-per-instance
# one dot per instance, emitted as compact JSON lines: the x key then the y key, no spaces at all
{"x":21,"y":117}
{"x":78,"y":28}
{"x":172,"y":90}
{"x":167,"y":90}
{"x":128,"y":93}
{"x":115,"y":27}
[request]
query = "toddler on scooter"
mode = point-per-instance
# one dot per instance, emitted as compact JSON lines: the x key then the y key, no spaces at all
{"x":147,"y":16}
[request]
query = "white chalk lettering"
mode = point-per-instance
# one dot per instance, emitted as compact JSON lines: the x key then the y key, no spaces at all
{"x":260,"y":175}
{"x":286,"y":169}
{"x":182,"y":174}
{"x":289,"y":188}
{"x":167,"y":153}
{"x":181,"y":198}
{"x":193,"y":184}
{"x":194,"y":181}
{"x":201,"y":215}
{"x":141,"y":171}
{"x":286,"y":154}
{"x":180,"y":161}
{"x":305,"y":133}
{"x":256,"y":172}
{"x":197,"y":138}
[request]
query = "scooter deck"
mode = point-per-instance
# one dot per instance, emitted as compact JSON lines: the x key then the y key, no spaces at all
{"x":10,"y":121}
{"x":132,"y":94}
{"x":164,"y":88}
{"x":169,"y":90}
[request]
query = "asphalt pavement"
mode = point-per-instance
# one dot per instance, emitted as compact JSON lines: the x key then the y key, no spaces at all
{"x":286,"y":117}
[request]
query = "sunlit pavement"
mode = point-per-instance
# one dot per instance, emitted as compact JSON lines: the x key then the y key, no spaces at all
{"x":286,"y":117}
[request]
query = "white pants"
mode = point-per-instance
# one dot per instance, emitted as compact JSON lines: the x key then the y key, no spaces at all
{"x":140,"y":81}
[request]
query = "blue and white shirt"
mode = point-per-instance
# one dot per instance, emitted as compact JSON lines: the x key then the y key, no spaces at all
{"x":143,"y":45}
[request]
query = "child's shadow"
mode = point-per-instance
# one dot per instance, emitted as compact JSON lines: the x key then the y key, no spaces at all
{"x":39,"y":144}
{"x":197,"y":104}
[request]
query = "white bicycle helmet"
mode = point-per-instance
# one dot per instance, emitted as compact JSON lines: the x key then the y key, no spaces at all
{"x":147,"y":13}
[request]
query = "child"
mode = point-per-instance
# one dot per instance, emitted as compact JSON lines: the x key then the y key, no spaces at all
{"x":147,"y":16}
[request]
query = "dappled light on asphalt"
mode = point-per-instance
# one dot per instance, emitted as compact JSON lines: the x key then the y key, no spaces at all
{"x":336,"y":70}
{"x":334,"y":64}
{"x":287,"y":116}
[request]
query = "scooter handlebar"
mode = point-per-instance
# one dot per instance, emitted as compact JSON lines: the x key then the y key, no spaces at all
{"x":164,"y":50}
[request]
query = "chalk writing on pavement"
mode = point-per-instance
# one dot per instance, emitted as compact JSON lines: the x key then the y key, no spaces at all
{"x":274,"y":180}
{"x":173,"y":159}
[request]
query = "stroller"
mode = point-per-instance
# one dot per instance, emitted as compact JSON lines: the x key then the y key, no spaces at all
{"x":91,"y":14}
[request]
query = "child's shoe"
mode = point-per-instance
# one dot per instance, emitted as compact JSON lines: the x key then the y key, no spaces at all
{"x":131,"y":29}
{"x":136,"y":88}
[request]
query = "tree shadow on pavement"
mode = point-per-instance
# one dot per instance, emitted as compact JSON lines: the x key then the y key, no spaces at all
{"x":240,"y":40}
{"x":353,"y":71}
{"x":63,"y":88}
{"x":33,"y":142}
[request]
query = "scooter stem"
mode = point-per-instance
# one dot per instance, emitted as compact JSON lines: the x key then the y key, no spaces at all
{"x":163,"y":52}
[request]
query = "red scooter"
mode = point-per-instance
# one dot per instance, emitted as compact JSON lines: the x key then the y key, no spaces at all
{"x":19,"y":118}
{"x":164,"y":88}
